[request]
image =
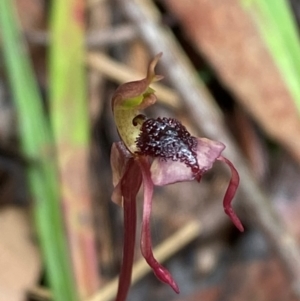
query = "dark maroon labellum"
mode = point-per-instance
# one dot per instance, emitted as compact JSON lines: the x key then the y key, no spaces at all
{"x":167,"y":138}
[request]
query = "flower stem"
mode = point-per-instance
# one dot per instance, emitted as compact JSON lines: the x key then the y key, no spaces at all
{"x":130,"y":186}
{"x":128,"y":248}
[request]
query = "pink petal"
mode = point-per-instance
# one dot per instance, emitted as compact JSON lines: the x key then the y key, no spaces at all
{"x":165,"y":172}
{"x":207,"y":152}
{"x":230,"y":193}
{"x":146,"y":244}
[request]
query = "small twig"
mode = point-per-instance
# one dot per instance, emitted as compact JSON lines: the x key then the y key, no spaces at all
{"x":207,"y":117}
{"x":91,"y":3}
{"x":110,"y":36}
{"x":105,"y":37}
{"x":39,"y":294}
{"x":165,"y":250}
{"x":120,"y":73}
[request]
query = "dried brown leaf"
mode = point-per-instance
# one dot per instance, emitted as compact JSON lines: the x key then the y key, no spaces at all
{"x":20,"y":261}
{"x":228,"y":37}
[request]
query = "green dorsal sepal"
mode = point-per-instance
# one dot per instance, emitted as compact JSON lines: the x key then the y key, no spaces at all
{"x":129,"y":99}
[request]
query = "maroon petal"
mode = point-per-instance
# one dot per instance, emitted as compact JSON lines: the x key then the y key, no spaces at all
{"x":167,"y":171}
{"x":230,"y":193}
{"x":129,"y":187}
{"x":146,"y":244}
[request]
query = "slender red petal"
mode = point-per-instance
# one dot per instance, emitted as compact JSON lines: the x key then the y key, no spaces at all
{"x":146,"y":244}
{"x":130,"y":185}
{"x":230,"y":192}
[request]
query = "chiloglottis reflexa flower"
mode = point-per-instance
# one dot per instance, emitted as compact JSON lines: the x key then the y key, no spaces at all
{"x":155,"y":152}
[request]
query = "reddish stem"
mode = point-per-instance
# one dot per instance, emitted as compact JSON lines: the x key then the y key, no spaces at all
{"x":130,"y":185}
{"x":230,"y":193}
{"x":146,"y":244}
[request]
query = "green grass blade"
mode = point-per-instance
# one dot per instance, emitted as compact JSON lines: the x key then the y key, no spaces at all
{"x":70,"y":121}
{"x":37,"y":145}
{"x":279,"y":30}
{"x":67,"y":67}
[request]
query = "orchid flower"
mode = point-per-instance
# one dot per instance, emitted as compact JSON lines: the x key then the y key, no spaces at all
{"x":155,"y":152}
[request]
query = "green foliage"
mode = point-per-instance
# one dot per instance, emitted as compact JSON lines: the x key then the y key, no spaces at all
{"x":278,"y":28}
{"x":35,"y":136}
{"x":69,"y":111}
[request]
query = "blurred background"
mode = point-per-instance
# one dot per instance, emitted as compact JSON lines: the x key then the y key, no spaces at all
{"x":231,"y":73}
